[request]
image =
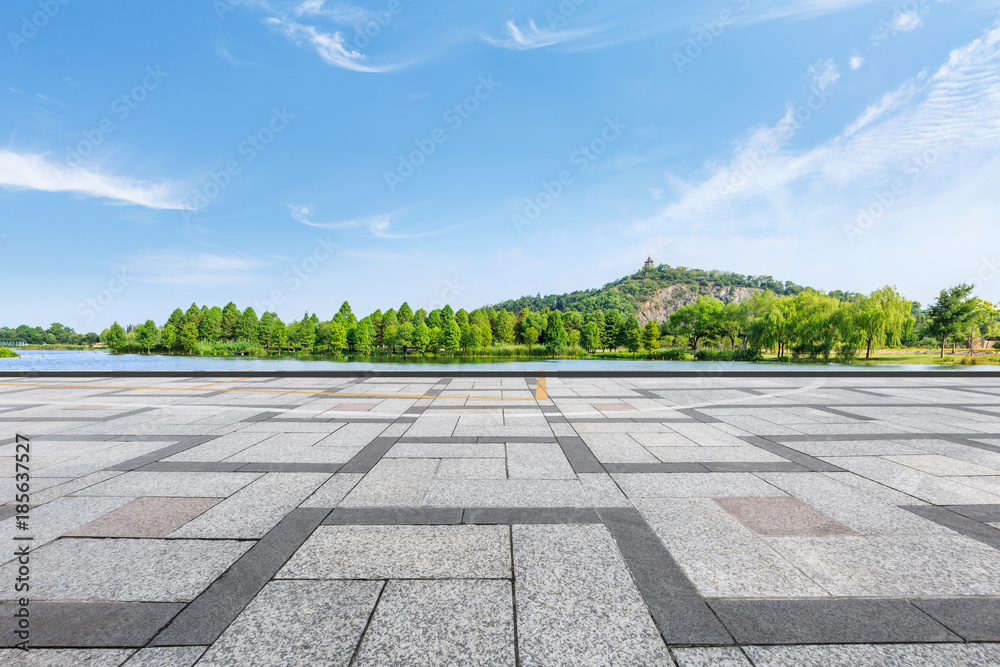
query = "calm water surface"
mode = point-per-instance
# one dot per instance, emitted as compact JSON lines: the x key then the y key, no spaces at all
{"x":71,"y":360}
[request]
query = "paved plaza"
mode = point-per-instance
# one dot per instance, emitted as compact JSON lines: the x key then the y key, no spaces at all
{"x":769,"y":519}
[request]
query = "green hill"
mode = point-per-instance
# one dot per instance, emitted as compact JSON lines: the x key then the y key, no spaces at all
{"x":652,"y":293}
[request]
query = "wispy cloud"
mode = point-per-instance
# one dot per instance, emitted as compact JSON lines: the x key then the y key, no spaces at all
{"x":856,"y":62}
{"x":824,"y":73}
{"x":330,"y":46}
{"x":198,"y":269}
{"x":804,"y":9}
{"x":533,"y":37}
{"x":381,"y":227}
{"x":302,"y":212}
{"x":36,"y":172}
{"x":222,"y":50}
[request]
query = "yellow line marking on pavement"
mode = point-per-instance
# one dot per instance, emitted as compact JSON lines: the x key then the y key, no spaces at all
{"x":212,"y":384}
{"x":263,"y":391}
{"x":541,"y":393}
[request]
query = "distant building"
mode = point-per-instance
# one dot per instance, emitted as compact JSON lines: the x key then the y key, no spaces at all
{"x":649,"y":262}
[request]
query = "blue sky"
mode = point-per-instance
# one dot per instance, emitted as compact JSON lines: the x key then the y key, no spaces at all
{"x":290,"y":155}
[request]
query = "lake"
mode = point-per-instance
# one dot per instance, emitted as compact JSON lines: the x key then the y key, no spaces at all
{"x":73,"y":360}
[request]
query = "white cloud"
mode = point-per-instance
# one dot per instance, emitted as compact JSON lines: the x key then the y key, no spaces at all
{"x":906,"y":21}
{"x":198,"y":269}
{"x":331,"y":47}
{"x":805,"y":9}
{"x":857,"y":62}
{"x":36,"y":172}
{"x":533,"y":37}
{"x":222,"y":50}
{"x":301,"y":213}
{"x":824,"y":73}
{"x":339,"y":12}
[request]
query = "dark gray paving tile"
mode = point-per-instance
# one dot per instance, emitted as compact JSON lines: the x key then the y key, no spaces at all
{"x":680,"y":613}
{"x":655,"y":467}
{"x":738,"y":466}
{"x":185,"y":466}
{"x":792,"y":455}
{"x":530,"y":515}
{"x":208,"y":615}
{"x":88,"y":624}
{"x":973,"y":619}
{"x":580,"y":458}
{"x":972,"y":529}
{"x":840,"y":413}
{"x":698,"y":416}
{"x":828,"y":622}
{"x":372,"y":453}
{"x":290,"y":467}
{"x":182,"y":446}
{"x":6,"y":512}
{"x":261,"y":417}
{"x":394,"y":516}
{"x":980,"y":513}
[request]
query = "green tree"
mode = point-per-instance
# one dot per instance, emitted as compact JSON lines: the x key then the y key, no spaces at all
{"x":633,"y":337}
{"x":344,"y":315}
{"x":699,"y":320}
{"x":421,"y":337}
{"x":651,"y":336}
{"x":531,"y":335}
{"x":279,"y":334}
{"x":230,"y":318}
{"x":505,"y":328}
{"x":264,"y":328}
{"x":338,"y":337}
{"x":247,"y":326}
{"x":148,"y":336}
{"x":189,"y":336}
{"x":452,"y":337}
{"x":176,"y":318}
{"x":115,"y":338}
{"x":591,"y":338}
{"x":210,"y":328}
{"x":555,"y":335}
{"x":951,"y":313}
{"x":405,"y":313}
{"x":883,"y":317}
{"x":168,"y":337}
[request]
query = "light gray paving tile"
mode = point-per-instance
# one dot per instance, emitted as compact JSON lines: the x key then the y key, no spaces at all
{"x":472,"y":469}
{"x":903,"y":565}
{"x":745,"y":454}
{"x":146,"y":517}
{"x":222,"y":447}
{"x":990,"y":485}
{"x":432,"y":450}
{"x":707,"y":435}
{"x":720,"y":555}
{"x":877,"y":655}
{"x":255,"y":509}
{"x":266,"y":452}
{"x":126,"y":569}
{"x":527,"y":460}
{"x":456,"y":622}
{"x":64,"y":657}
{"x":617,"y":448}
{"x":172,"y":484}
{"x":855,"y":447}
{"x":942,"y":466}
{"x":935,"y":490}
{"x":751,"y":424}
{"x":507,"y":493}
{"x":432,"y":426}
{"x":72,"y":486}
{"x":886,"y":494}
{"x":540,"y":430}
{"x":866,"y":513}
{"x":57,"y":518}
{"x":353,"y":434}
{"x":671,"y":439}
{"x":619,"y":427}
{"x":394,"y":482}
{"x":711,"y":657}
{"x":333,"y":491}
{"x":169,"y":656}
{"x":402,"y":552}
{"x":602,"y":490}
{"x":98,"y":460}
{"x":297,"y":623}
{"x":694,"y":485}
{"x":577,"y":603}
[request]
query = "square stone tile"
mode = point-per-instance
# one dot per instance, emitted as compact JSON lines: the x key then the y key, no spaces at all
{"x":402,"y":552}
{"x":577,"y":603}
{"x":297,"y":623}
{"x":126,"y":569}
{"x":457,"y":622}
{"x":146,"y":517}
{"x":526,"y":460}
{"x":782,"y":517}
{"x":746,"y":454}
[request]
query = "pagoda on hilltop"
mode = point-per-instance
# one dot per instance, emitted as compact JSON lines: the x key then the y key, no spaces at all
{"x":649,"y":262}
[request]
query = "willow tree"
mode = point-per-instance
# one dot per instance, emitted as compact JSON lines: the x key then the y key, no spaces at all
{"x":882,"y":318}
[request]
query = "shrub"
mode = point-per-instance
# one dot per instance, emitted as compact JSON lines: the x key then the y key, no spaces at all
{"x":8,"y":354}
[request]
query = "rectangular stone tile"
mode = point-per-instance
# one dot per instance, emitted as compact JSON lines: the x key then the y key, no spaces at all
{"x":707,"y":435}
{"x":671,"y":439}
{"x":872,"y":488}
{"x":981,"y":513}
{"x":394,"y":482}
{"x":402,"y":552}
{"x":57,"y":518}
{"x":942,"y":466}
{"x":828,"y":622}
{"x":817,"y":465}
{"x":428,"y":450}
{"x":716,"y":656}
{"x":61,"y":657}
{"x":576,"y":601}
{"x":973,"y":619}
{"x":172,"y":484}
{"x":353,"y":407}
{"x":172,"y":656}
{"x":256,"y":509}
{"x":354,"y":434}
{"x":367,"y":458}
{"x":602,"y":490}
{"x":394,"y":516}
{"x":534,"y":515}
{"x":537,"y":461}
{"x":694,"y":485}
{"x":146,"y":517}
{"x":519,"y":430}
{"x":204,"y":619}
{"x":990,"y":485}
{"x":929,"y":488}
{"x":576,"y":451}
{"x":222,"y":447}
{"x":297,"y":623}
{"x":721,"y":556}
{"x":856,"y":447}
{"x":846,"y":655}
{"x":333,"y":491}
{"x":126,"y":569}
{"x":975,"y":530}
{"x":88,"y":624}
{"x":782,"y":517}
{"x":507,"y":493}
{"x":443,"y":622}
{"x":472,"y":469}
{"x":896,"y":566}
{"x":617,"y":448}
{"x":714,"y":454}
{"x":866,"y":513}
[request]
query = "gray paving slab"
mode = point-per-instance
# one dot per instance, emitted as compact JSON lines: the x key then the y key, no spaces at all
{"x":534,"y":515}
{"x":973,"y":619}
{"x":297,"y":623}
{"x":507,"y":493}
{"x":576,"y":451}
{"x":64,"y":657}
{"x":333,"y":490}
{"x":146,"y":517}
{"x":172,"y":484}
{"x":694,"y":485}
{"x":393,"y":482}
{"x":167,"y":656}
{"x":716,"y":656}
{"x":88,"y":624}
{"x":454,"y":622}
{"x":960,"y":524}
{"x":429,"y":450}
{"x":828,"y":622}
{"x":576,"y":602}
{"x":402,"y":552}
{"x":394,"y":516}
{"x":537,"y":461}
{"x":877,"y":655}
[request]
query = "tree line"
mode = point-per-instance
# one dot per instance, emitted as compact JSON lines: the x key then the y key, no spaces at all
{"x":806,"y":323}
